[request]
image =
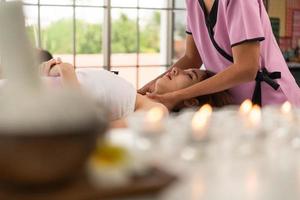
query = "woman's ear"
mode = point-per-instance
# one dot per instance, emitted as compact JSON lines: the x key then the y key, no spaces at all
{"x":191,"y":103}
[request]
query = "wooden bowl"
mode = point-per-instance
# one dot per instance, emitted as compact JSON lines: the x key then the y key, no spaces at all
{"x":45,"y":158}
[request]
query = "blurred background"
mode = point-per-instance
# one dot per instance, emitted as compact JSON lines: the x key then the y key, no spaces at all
{"x":138,"y":38}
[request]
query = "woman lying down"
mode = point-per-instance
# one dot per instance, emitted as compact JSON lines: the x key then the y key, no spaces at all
{"x":120,"y":97}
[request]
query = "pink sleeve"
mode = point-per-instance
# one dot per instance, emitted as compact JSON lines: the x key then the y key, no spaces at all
{"x":244,"y":21}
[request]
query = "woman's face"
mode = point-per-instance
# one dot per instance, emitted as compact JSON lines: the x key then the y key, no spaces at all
{"x":179,"y":79}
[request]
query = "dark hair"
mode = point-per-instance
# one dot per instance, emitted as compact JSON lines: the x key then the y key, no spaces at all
{"x":43,"y":55}
{"x":218,"y":99}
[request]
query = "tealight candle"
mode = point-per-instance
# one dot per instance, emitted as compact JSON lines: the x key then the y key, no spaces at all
{"x":198,"y":140}
{"x":251,"y":137}
{"x":246,"y":107}
{"x":200,"y":122}
{"x":255,"y":117}
{"x":286,"y":108}
{"x":286,"y":111}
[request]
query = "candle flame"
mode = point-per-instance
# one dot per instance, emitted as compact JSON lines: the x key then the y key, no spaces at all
{"x":206,"y":110}
{"x":246,"y":107}
{"x":286,"y":108}
{"x":255,"y":115}
{"x":200,"y":120}
{"x":155,"y":114}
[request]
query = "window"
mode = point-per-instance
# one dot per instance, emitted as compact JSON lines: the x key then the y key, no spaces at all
{"x":138,"y":38}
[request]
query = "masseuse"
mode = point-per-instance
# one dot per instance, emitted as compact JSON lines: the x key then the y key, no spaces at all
{"x":233,"y":39}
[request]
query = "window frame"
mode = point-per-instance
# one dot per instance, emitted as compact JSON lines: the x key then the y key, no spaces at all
{"x":168,"y":39}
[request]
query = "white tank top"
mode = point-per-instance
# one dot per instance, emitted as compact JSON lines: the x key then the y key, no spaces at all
{"x":110,"y":90}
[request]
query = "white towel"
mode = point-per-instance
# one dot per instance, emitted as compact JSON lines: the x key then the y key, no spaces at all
{"x":112,"y":91}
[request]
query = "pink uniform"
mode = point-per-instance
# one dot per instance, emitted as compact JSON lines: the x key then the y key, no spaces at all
{"x":231,"y":23}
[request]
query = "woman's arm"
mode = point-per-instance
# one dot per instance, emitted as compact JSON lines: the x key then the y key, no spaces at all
{"x":246,"y":65}
{"x":191,"y":59}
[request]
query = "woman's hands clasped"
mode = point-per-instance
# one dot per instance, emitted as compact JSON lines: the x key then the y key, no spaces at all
{"x":51,"y":68}
{"x":55,"y":67}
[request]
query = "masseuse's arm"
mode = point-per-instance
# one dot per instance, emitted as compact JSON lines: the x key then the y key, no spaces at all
{"x":191,"y":59}
{"x":245,"y":67}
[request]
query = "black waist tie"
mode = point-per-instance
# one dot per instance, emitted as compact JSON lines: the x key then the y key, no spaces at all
{"x":269,"y":78}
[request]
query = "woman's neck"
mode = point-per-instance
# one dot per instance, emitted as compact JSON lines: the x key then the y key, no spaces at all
{"x":145,"y":103}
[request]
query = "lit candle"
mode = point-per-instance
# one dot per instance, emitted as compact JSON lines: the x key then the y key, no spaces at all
{"x":246,"y":107}
{"x":286,"y":108}
{"x":251,"y":133}
{"x":153,"y":120}
{"x":200,"y":122}
{"x":286,"y":111}
{"x":254,"y":117}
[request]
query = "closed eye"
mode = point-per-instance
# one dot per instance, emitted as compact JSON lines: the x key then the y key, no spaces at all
{"x":191,"y":77}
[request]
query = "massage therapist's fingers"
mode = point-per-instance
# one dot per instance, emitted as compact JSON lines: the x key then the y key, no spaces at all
{"x":142,"y":91}
{"x":148,"y":88}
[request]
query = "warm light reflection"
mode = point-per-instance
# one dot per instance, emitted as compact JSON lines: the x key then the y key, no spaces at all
{"x":153,"y":120}
{"x":155,"y":115}
{"x":286,"y":108}
{"x":206,"y":110}
{"x":255,"y":116}
{"x":200,"y":121}
{"x":246,"y":107}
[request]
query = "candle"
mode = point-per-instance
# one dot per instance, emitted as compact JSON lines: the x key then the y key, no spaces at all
{"x":200,"y":122}
{"x":254,"y":117}
{"x":286,"y":108}
{"x":246,"y":107}
{"x":153,"y":120}
{"x":286,"y":111}
{"x":250,"y":139}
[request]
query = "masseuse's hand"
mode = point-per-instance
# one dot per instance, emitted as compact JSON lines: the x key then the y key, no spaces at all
{"x":148,"y":88}
{"x":170,"y":100}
